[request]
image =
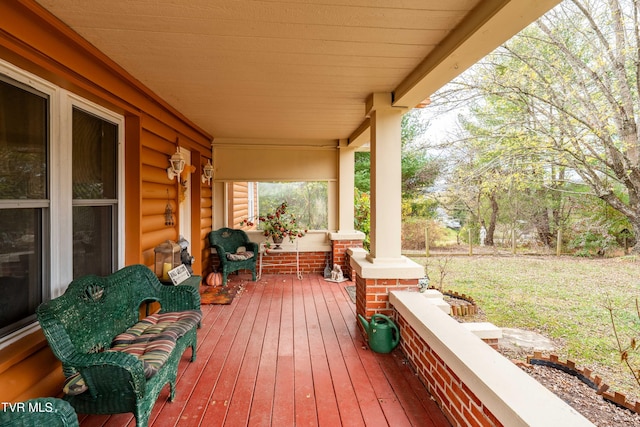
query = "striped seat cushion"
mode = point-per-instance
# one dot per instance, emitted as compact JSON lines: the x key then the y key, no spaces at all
{"x":154,"y":337}
{"x":151,"y":340}
{"x":240,"y":256}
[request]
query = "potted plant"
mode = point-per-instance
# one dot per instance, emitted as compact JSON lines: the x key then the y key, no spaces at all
{"x":278,"y":225}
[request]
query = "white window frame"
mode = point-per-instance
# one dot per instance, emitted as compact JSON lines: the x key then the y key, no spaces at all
{"x":57,"y":221}
{"x":68,"y":102}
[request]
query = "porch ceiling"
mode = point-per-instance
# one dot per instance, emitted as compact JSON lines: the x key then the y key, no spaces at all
{"x":293,"y":69}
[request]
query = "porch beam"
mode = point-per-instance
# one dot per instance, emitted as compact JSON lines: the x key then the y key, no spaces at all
{"x":362,"y":135}
{"x":492,"y":23}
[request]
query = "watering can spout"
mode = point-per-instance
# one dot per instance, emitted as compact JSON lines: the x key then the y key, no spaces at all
{"x":364,"y":322}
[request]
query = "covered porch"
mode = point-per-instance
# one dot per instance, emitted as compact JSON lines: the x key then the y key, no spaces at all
{"x":240,"y":84}
{"x":288,"y":352}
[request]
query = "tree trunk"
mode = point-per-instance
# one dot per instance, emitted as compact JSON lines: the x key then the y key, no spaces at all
{"x":543,"y":227}
{"x":492,"y":221}
{"x":636,"y":235}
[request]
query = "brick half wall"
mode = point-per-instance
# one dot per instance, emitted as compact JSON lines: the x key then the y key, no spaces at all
{"x":459,"y":404}
{"x":340,"y":255}
{"x":372,"y":295}
{"x":285,"y":262}
{"x":473,"y":384}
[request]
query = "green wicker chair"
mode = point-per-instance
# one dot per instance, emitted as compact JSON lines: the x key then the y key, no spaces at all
{"x":43,"y":411}
{"x":81,"y":324}
{"x":226,"y":241}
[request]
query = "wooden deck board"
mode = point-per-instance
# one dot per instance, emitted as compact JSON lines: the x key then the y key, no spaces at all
{"x":288,"y":352}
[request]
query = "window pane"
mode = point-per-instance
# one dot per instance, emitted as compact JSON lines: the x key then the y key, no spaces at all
{"x":93,"y":245}
{"x":23,"y":143}
{"x":20,"y":266}
{"x":308,"y":201}
{"x":94,"y":157}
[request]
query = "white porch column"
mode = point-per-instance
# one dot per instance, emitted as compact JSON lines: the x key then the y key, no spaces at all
{"x":346,"y":185}
{"x":386,"y":179}
{"x":346,"y":237}
{"x":384,"y":268}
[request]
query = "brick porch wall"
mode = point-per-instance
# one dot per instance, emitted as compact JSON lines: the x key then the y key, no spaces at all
{"x":459,"y":404}
{"x":340,"y":256}
{"x":372,"y":295}
{"x":310,"y":262}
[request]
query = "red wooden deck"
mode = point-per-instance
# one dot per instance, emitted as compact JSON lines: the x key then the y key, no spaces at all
{"x":287,"y":352}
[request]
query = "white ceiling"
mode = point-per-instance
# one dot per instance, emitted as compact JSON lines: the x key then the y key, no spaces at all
{"x":292,"y":69}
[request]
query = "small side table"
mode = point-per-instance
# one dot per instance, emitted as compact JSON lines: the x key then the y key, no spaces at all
{"x":265,"y":252}
{"x":193,"y":281}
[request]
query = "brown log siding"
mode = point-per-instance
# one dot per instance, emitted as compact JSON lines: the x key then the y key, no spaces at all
{"x":39,"y":43}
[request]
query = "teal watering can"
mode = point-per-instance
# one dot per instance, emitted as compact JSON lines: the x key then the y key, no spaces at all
{"x":383,"y":334}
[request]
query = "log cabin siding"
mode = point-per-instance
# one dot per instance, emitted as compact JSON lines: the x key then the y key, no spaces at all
{"x":240,"y":205}
{"x":206,"y":225}
{"x":35,"y":41}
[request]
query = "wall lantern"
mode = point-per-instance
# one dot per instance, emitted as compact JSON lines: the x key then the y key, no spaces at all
{"x":168,"y":213}
{"x":207,"y":173}
{"x":176,"y":164}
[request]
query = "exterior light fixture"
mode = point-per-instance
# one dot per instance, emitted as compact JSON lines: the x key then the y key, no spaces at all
{"x":176,"y":164}
{"x":207,"y":173}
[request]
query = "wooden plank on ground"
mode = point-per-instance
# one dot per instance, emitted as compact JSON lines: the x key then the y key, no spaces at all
{"x":189,"y":372}
{"x":305,"y":404}
{"x":214,"y":322}
{"x":417,"y":402}
{"x":367,"y":399}
{"x":345,"y":394}
{"x":195,"y":407}
{"x":262,"y":406}
{"x":284,"y":398}
{"x":326,"y":404}
{"x":242,"y":399}
{"x":216,"y":410}
{"x":386,"y":397}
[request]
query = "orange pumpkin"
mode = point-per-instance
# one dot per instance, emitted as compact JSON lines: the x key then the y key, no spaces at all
{"x":214,"y":279}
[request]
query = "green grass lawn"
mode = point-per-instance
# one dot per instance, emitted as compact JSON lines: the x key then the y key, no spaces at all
{"x":562,"y":298}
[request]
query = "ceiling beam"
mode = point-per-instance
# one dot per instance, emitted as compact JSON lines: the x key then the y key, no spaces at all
{"x":361,"y":135}
{"x":489,"y":25}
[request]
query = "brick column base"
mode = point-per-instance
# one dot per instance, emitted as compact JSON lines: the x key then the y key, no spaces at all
{"x":372,"y":295}
{"x":340,"y":256}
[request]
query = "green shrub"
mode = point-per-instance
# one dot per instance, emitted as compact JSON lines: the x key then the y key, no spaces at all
{"x":362,"y":219}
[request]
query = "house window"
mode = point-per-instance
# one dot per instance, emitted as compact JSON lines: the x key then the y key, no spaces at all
{"x":60,"y":194}
{"x":307,"y":200}
{"x":24,"y":204}
{"x":95,"y":202}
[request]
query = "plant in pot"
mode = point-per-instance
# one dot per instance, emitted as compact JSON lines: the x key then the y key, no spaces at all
{"x":277,"y":226}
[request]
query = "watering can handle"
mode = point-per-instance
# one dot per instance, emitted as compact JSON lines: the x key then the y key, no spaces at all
{"x":396,"y":334}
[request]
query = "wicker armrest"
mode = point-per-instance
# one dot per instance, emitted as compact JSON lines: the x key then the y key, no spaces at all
{"x":219,"y":250}
{"x":110,"y":370}
{"x":179,"y":298}
{"x":253,"y":247}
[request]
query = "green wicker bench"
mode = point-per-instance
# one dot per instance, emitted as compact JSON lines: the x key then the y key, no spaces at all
{"x":113,"y":362}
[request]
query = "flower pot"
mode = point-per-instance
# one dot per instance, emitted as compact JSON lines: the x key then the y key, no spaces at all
{"x":277,"y":241}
